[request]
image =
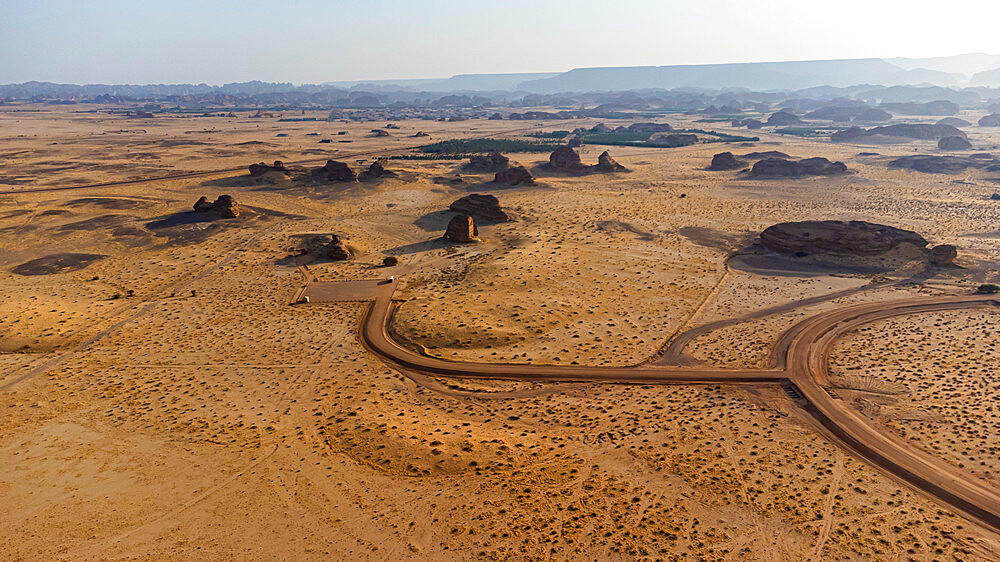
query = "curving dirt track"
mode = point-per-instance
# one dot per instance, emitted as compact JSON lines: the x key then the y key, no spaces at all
{"x":801,"y":355}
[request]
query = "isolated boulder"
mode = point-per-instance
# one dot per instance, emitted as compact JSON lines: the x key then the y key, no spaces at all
{"x":335,"y":171}
{"x":262,"y":168}
{"x":605,"y":163}
{"x":514,"y":175}
{"x":224,"y":206}
{"x":481,"y":206}
{"x":783,"y":118}
{"x":991,"y":120}
{"x":954,"y":143}
{"x":942,"y":255}
{"x":725,"y":161}
{"x":327,"y":246}
{"x":566,"y":159}
{"x":492,"y":162}
{"x":818,"y":166}
{"x":847,"y":238}
{"x":375,"y":170}
{"x":462,"y":228}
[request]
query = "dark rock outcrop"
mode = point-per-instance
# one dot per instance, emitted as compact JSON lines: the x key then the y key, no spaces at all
{"x":262,"y":168}
{"x":327,"y":246}
{"x":514,"y":175}
{"x":482,"y":206}
{"x":462,"y":228}
{"x":918,"y":131}
{"x":492,"y":162}
{"x":846,"y":238}
{"x":991,"y":120}
{"x":565,"y":159}
{"x":781,"y":168}
{"x":935,"y":164}
{"x":783,"y":118}
{"x":766,"y":154}
{"x":224,"y":206}
{"x":375,"y":170}
{"x":942,"y":255}
{"x":725,"y":161}
{"x":954,"y":143}
{"x":649,"y":127}
{"x":607,"y":164}
{"x":335,"y":171}
{"x":419,"y":134}
{"x":873,"y":115}
{"x":953,"y":122}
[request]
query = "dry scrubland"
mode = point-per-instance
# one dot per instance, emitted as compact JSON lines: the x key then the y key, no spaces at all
{"x":209,"y":419}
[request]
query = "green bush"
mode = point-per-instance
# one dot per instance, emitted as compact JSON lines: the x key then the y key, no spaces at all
{"x":988,"y":289}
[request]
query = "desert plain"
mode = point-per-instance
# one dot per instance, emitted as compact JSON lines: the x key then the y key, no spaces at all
{"x":165,"y":394}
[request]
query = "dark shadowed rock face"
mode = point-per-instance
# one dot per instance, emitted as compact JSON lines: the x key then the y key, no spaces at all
{"x":942,"y":255}
{"x":991,"y":120}
{"x":953,"y":122}
{"x":328,"y":246}
{"x":605,"y":163}
{"x":482,"y":206}
{"x":375,"y":170}
{"x":674,"y":140}
{"x":954,"y":143}
{"x":649,"y":127}
{"x":224,"y":206}
{"x":725,"y":161}
{"x":462,"y":228}
{"x":492,"y":162}
{"x":936,"y":164}
{"x":846,"y":238}
{"x":781,"y":168}
{"x":566,"y":159}
{"x":782,"y":118}
{"x":335,"y":171}
{"x":261,"y":168}
{"x":919,"y":131}
{"x":514,"y":175}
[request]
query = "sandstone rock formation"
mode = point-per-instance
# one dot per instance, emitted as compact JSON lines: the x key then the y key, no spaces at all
{"x":335,"y":171}
{"x":942,"y":255}
{"x":954,"y":143}
{"x":565,"y":159}
{"x":781,"y":168}
{"x":953,"y":122}
{"x":420,"y":134}
{"x":492,"y":162}
{"x":783,"y":118}
{"x":936,"y":164}
{"x":991,"y":120}
{"x":514,"y":175}
{"x":919,"y":131}
{"x":328,"y":246}
{"x":674,"y":140}
{"x":224,"y":206}
{"x":462,"y":228}
{"x":375,"y":170}
{"x":605,"y":163}
{"x":846,"y":238}
{"x":649,"y":127}
{"x":262,"y":168}
{"x":481,"y":206}
{"x":725,"y":161}
{"x":574,"y":143}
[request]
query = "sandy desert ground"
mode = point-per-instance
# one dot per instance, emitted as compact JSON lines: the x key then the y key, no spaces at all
{"x":160,"y":397}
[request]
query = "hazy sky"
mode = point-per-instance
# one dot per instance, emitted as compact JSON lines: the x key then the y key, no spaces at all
{"x":311,"y":41}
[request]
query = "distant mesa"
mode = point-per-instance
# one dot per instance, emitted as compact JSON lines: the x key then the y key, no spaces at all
{"x":328,"y":246}
{"x":782,"y":168}
{"x":844,"y":114}
{"x":953,"y":122}
{"x":873,"y":115}
{"x":991,"y":120}
{"x":514,"y":175}
{"x":481,"y":206}
{"x":938,"y":107}
{"x":930,"y":164}
{"x":420,"y":134}
{"x":766,"y":154}
{"x":783,"y":118}
{"x":673,"y":140}
{"x":224,"y":206}
{"x":376,"y":170}
{"x":492,"y":162}
{"x":335,"y":171}
{"x":751,"y":124}
{"x":954,"y":143}
{"x":262,"y":168}
{"x":462,"y":228}
{"x":849,"y":238}
{"x":725,"y":161}
{"x":918,"y":131}
{"x":537,"y":115}
{"x":649,"y":127}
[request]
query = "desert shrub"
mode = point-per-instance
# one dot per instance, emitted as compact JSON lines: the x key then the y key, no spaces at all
{"x":988,"y":289}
